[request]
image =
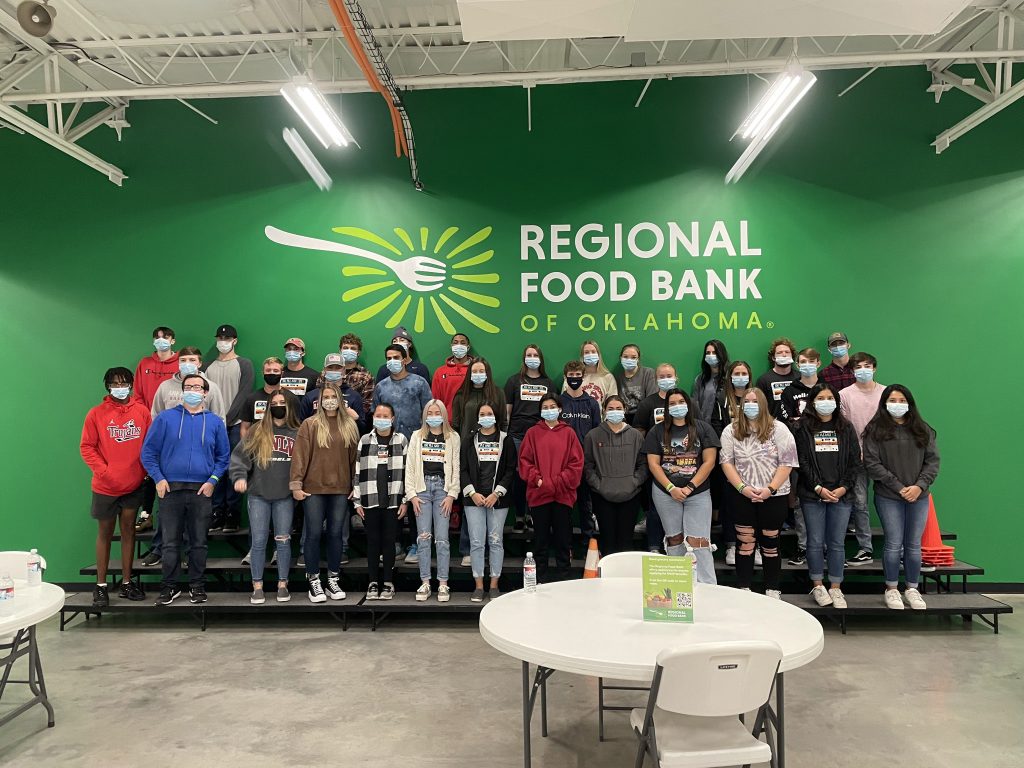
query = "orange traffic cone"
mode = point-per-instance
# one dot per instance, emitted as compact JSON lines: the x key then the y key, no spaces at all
{"x":590,"y":567}
{"x":932,"y":547}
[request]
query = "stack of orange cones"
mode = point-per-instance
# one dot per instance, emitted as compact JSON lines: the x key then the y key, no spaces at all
{"x":932,"y":548}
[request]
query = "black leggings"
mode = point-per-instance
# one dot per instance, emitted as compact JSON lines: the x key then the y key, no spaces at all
{"x":381,"y":532}
{"x":752,"y":520}
{"x":615,"y":521}
{"x":552,"y":523}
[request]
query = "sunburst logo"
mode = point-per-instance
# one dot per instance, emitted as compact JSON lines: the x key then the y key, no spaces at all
{"x":437,"y":278}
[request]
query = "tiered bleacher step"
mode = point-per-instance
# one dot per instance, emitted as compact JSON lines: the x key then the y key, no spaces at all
{"x":966,"y":606}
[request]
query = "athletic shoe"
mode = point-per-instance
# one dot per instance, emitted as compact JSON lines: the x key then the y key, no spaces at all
{"x":423,"y":592}
{"x":476,"y":597}
{"x":757,"y":557}
{"x":851,"y":528}
{"x":131,"y":591}
{"x":316,"y":590}
{"x":800,"y":558}
{"x":467,"y":561}
{"x":257,"y":597}
{"x":151,"y":558}
{"x":357,"y":523}
{"x":372,"y":593}
{"x":893,"y":600}
{"x":495,"y":592}
{"x":344,"y":559}
{"x":168,"y":595}
{"x":100,"y":598}
{"x":247,"y":560}
{"x":231,"y":523}
{"x":529,"y":522}
{"x":412,"y":555}
{"x":283,"y":595}
{"x":654,"y":550}
{"x":838,"y":598}
{"x":334,"y":590}
{"x":730,"y":555}
{"x":821,"y":596}
{"x":774,"y":594}
{"x":301,"y":562}
{"x":927,"y":567}
{"x":197,"y":594}
{"x":914,"y":599}
{"x":443,"y":594}
{"x":862,"y":557}
{"x":144,"y":523}
{"x":398,"y":550}
{"x":518,"y":526}
{"x":640,"y":527}
{"x":388,"y":591}
{"x":216,"y":522}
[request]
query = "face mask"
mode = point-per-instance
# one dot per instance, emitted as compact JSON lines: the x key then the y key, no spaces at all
{"x":615,"y":417}
{"x":293,"y":356}
{"x":591,"y":359}
{"x":711,"y":360}
{"x":225,"y":346}
{"x":628,"y":363}
{"x":187,"y":369}
{"x":897,"y":410}
{"x":382,"y":425}
{"x":332,"y":375}
{"x":839,"y":351}
{"x":864,"y":375}
{"x":403,"y":342}
{"x":751,"y":410}
{"x":434,"y":421}
{"x":808,"y":369}
{"x":740,"y":381}
{"x":273,"y":379}
{"x":120,"y":393}
{"x":667,"y":383}
{"x":162,"y":345}
{"x":192,"y":398}
{"x":487,"y":421}
{"x":574,"y":382}
{"x":349,"y":355}
{"x":783,"y":360}
{"x":278,"y":411}
{"x":329,"y":404}
{"x":678,"y":411}
{"x":549,"y":414}
{"x":533,"y":363}
{"x":825,"y":407}
{"x":394,"y":366}
{"x":459,"y":350}
{"x":478,"y":378}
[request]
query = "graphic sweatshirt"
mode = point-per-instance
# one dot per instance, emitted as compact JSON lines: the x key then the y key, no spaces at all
{"x":111,"y":445}
{"x":150,"y":373}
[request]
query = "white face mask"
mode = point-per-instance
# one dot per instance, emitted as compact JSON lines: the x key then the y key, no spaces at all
{"x":224,"y":346}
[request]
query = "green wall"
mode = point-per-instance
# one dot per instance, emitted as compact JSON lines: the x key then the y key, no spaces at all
{"x":861,"y":228}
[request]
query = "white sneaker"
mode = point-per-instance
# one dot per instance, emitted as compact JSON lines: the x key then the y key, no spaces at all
{"x":773,"y":593}
{"x":914,"y":599}
{"x":423,"y":592}
{"x":730,"y":555}
{"x":821,"y":596}
{"x":443,"y":594}
{"x":893,"y":599}
{"x":334,"y":590}
{"x":838,"y":598}
{"x":467,"y":562}
{"x":757,"y":557}
{"x":247,"y":560}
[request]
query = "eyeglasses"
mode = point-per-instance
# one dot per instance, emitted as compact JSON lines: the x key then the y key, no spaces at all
{"x":193,"y":388}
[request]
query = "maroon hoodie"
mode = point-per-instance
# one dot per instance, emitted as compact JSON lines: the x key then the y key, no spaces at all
{"x":112,"y":442}
{"x":554,"y":455}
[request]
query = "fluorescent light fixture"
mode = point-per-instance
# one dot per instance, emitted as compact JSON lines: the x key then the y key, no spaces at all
{"x":305,"y":156}
{"x":307,"y":100}
{"x":765,"y":119}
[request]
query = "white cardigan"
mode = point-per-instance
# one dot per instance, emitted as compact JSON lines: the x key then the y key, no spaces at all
{"x":415,"y":482}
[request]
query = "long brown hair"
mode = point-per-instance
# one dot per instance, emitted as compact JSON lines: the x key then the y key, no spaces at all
{"x":259,"y":441}
{"x":762,"y":427}
{"x":322,"y":425}
{"x":730,"y":390}
{"x":691,"y":429}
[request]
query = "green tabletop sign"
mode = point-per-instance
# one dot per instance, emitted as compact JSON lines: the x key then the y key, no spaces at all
{"x":668,"y":589}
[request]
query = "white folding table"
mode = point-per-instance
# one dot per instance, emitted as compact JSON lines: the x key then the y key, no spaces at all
{"x":32,"y":605}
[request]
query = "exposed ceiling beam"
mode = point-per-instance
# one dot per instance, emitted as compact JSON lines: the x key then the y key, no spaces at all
{"x":947,"y":137}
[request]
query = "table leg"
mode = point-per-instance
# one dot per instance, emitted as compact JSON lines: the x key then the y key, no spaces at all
{"x":544,"y":706}
{"x":780,"y":711}
{"x":527,"y":707}
{"x":36,"y":683}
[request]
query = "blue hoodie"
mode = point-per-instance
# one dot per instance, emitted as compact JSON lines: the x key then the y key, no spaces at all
{"x":183,"y":447}
{"x":581,"y":412}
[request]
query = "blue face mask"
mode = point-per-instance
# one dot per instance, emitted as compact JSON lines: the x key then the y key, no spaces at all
{"x":332,"y":375}
{"x":839,"y":351}
{"x":549,"y":414}
{"x":615,"y":417}
{"x":120,"y":393}
{"x":711,"y":360}
{"x":678,"y":411}
{"x":478,"y":378}
{"x":751,"y":410}
{"x":162,"y":345}
{"x":434,"y":421}
{"x":192,"y":398}
{"x":897,"y":410}
{"x":459,"y":350}
{"x":487,"y":421}
{"x":628,"y":363}
{"x":349,"y":355}
{"x":188,"y":369}
{"x":825,"y":407}
{"x":740,"y":381}
{"x":533,"y":363}
{"x":807,"y":369}
{"x":591,"y":359}
{"x":293,"y":355}
{"x":864,"y":375}
{"x":394,"y":365}
{"x":382,"y":425}
{"x":667,"y":383}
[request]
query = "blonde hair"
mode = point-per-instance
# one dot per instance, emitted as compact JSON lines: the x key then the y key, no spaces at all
{"x":273,"y":361}
{"x":346,"y":424}
{"x":762,"y":427}
{"x":446,"y":428}
{"x":259,"y":441}
{"x":601,"y":368}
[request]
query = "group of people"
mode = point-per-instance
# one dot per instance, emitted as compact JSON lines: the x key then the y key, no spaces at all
{"x":406,"y":447}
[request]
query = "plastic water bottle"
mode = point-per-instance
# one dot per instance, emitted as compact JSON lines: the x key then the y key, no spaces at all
{"x":530,"y":573}
{"x":35,"y":569}
{"x":6,"y":595}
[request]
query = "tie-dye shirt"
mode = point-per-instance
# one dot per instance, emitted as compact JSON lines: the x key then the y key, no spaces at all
{"x":756,"y":462}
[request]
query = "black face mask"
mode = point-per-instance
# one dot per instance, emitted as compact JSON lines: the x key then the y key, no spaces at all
{"x":278,"y":411}
{"x":273,"y":379}
{"x":574,"y":382}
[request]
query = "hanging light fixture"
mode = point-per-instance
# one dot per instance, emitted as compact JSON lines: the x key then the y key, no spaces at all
{"x":310,"y":104}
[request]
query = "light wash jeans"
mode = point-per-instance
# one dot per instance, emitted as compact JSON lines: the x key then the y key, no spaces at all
{"x":826,"y":533}
{"x":691,"y":518}
{"x":861,"y":516}
{"x":261,"y":512}
{"x":903,"y":523}
{"x":486,"y":526}
{"x":430,"y":516}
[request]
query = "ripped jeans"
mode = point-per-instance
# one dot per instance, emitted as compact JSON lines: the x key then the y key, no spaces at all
{"x":431,"y":517}
{"x":486,"y":527}
{"x":261,"y":513}
{"x":688,"y":519}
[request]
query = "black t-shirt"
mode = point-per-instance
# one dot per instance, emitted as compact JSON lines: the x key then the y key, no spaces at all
{"x":524,"y":395}
{"x":826,"y":454}
{"x":383,"y":474}
{"x":255,"y":406}
{"x":794,"y":400}
{"x":650,"y":412}
{"x":299,"y":382}
{"x":433,"y":455}
{"x":487,"y":456}
{"x":773,"y":384}
{"x":680,"y":461}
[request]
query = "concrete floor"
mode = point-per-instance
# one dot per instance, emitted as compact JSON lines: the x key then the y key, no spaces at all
{"x":134,"y":691}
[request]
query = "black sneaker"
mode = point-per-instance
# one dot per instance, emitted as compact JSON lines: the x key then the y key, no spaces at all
{"x":387,"y":591}
{"x":168,"y":595}
{"x":344,"y":559}
{"x":927,"y":567}
{"x":216,"y":522}
{"x":100,"y":599}
{"x":197,"y":594}
{"x":131,"y":591}
{"x":518,"y":526}
{"x":800,"y":558}
{"x":861,"y":558}
{"x":529,"y":522}
{"x":231,"y":524}
{"x":151,"y":558}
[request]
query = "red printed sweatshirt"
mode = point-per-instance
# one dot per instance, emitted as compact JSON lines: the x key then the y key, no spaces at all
{"x":112,"y":442}
{"x":553,"y":455}
{"x":447,"y":380}
{"x":150,"y":373}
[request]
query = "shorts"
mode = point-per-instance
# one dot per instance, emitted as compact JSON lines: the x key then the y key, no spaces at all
{"x":107,"y":507}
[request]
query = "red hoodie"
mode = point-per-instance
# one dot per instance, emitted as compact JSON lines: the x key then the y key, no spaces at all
{"x":112,"y":442}
{"x":447,"y":380}
{"x":554,"y":455}
{"x":150,"y":373}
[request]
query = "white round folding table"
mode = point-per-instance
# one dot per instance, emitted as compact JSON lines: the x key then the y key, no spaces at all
{"x":594,"y":627}
{"x":32,"y":605}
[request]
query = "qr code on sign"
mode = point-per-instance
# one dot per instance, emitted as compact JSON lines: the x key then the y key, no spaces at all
{"x":684,"y":600}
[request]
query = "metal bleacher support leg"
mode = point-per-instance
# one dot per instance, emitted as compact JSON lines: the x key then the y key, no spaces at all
{"x":600,"y":709}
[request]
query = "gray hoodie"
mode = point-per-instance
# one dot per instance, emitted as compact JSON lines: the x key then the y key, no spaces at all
{"x":270,"y":482}
{"x":168,"y":395}
{"x":613,"y":464}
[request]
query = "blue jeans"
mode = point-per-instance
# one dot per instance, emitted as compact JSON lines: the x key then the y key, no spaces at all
{"x":334,"y":508}
{"x":226,"y":499}
{"x":489,"y":523}
{"x":691,"y":518}
{"x":826,"y":533}
{"x":861,"y":517}
{"x":431,"y":516}
{"x":903,"y":523}
{"x":261,"y":511}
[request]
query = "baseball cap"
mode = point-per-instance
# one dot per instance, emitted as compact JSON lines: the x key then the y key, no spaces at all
{"x":836,"y":337}
{"x":226,"y":332}
{"x":297,"y":342}
{"x":333,"y":359}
